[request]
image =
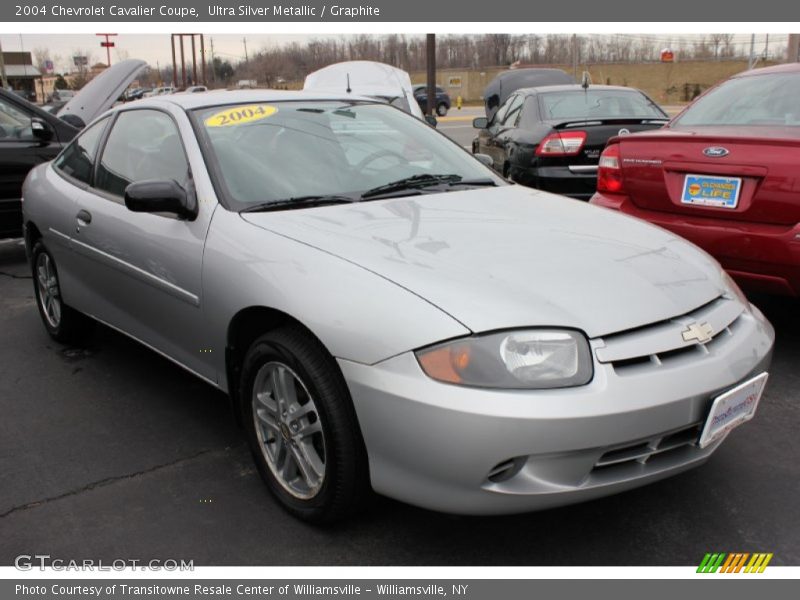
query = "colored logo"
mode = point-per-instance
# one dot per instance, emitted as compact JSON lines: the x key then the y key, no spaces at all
{"x":694,"y":189}
{"x":716,"y":151}
{"x":734,"y":562}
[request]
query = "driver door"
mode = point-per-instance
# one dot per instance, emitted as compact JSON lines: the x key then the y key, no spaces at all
{"x":143,"y":270}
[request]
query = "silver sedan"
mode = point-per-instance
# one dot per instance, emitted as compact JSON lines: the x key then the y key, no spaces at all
{"x":384,"y":311}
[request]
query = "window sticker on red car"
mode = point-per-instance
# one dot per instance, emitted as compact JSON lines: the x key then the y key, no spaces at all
{"x":707,"y":190}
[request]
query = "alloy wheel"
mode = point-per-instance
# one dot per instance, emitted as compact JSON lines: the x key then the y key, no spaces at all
{"x":289,"y":430}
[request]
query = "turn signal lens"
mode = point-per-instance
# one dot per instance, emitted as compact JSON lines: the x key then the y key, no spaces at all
{"x":446,"y":363}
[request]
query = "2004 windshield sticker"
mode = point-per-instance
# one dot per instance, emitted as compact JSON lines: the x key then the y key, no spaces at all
{"x":238,"y":115}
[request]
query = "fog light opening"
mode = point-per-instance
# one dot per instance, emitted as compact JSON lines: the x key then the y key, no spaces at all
{"x":505,"y":470}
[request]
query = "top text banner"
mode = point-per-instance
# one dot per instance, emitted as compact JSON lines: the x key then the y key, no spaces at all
{"x":366,"y":11}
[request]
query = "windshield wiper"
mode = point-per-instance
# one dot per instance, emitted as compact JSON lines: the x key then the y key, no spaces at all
{"x":299,"y":202}
{"x":424,"y":180}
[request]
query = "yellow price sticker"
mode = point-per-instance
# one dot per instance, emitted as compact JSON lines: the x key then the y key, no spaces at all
{"x":239,"y":115}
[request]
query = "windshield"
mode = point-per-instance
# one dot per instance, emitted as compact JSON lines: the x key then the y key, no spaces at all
{"x":754,"y":100}
{"x":276,"y":151}
{"x":598,"y":104}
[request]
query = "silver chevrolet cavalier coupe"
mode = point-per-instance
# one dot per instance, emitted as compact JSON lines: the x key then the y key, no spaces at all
{"x":385,"y":312}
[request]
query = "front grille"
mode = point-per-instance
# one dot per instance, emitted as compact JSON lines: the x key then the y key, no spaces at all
{"x":649,"y":451}
{"x":662,"y":344}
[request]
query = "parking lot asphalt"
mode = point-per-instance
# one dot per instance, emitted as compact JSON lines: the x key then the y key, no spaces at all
{"x":457,"y":125}
{"x":109,"y":451}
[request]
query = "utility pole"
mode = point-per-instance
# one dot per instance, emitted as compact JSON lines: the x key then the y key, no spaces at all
{"x":793,"y":49}
{"x":246,"y":60}
{"x":430,"y":105}
{"x":213,"y":64}
{"x":766,"y":48}
{"x":3,"y":69}
{"x":575,"y":56}
{"x":752,"y":62}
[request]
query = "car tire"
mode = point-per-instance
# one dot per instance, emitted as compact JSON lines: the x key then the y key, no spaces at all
{"x":63,"y":323}
{"x":302,"y":427}
{"x":441,"y":109}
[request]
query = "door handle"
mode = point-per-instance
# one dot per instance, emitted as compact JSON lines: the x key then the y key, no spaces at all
{"x":84,"y":217}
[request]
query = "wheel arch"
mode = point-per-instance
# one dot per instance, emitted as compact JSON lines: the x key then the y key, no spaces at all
{"x":243,"y":329}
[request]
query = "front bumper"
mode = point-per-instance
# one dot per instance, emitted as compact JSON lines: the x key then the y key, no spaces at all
{"x":478,"y":451}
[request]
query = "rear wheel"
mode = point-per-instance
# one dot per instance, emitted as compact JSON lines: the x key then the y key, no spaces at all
{"x":63,"y":323}
{"x":441,"y":109}
{"x":302,"y":427}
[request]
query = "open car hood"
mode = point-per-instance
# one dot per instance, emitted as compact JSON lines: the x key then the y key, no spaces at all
{"x":364,"y":78}
{"x":101,"y":93}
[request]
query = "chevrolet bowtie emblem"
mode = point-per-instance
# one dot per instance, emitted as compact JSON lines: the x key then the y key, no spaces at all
{"x":698,"y":332}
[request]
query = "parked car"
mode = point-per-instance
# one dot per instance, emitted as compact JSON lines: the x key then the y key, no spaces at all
{"x":366,"y":78}
{"x":452,"y":341}
{"x":62,"y":95}
{"x":30,"y":135}
{"x":508,"y":82}
{"x":194,"y":89}
{"x":160,"y":91}
{"x":442,"y":99}
{"x":550,"y":138}
{"x":57,"y":100}
{"x":723,"y":174}
{"x":136,"y":93}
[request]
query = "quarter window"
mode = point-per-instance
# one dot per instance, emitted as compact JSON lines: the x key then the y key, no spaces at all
{"x":143,"y":144}
{"x":510,"y":117}
{"x":77,"y":159}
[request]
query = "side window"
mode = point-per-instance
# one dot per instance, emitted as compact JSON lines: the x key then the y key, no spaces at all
{"x":500,"y":115}
{"x":78,"y":158}
{"x":143,"y":144}
{"x":15,"y":125}
{"x":512,"y":113}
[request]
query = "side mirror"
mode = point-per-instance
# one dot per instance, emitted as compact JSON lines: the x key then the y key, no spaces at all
{"x":485,"y":159}
{"x":41,"y":130}
{"x":431,"y":120}
{"x":480,"y":123}
{"x":160,"y":196}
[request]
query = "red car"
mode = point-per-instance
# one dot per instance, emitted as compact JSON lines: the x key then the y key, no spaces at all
{"x":724,"y":174}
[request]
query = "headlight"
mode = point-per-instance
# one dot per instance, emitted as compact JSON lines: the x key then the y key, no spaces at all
{"x":732,"y":289}
{"x":527,"y":359}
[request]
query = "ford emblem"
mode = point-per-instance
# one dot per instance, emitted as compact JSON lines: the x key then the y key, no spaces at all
{"x":716,"y":151}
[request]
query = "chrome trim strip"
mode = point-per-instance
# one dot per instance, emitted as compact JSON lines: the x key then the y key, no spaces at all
{"x":583,"y":168}
{"x":142,"y":275}
{"x":63,"y":236}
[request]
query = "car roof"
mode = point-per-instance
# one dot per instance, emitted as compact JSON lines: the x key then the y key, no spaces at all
{"x":222,"y":97}
{"x":574,"y":87}
{"x":784,"y":68}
